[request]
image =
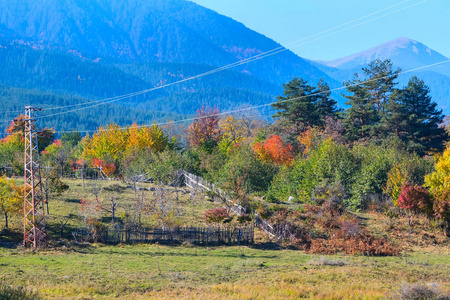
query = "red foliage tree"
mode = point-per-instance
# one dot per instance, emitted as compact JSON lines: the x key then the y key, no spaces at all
{"x":108,"y":169}
{"x":205,"y":129}
{"x":415,"y":199}
{"x":273,"y":149}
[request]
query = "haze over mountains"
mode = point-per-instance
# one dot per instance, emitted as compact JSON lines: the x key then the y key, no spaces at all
{"x":61,"y":52}
{"x":406,"y":54}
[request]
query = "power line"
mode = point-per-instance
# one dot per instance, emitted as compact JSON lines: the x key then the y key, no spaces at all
{"x":251,"y":59}
{"x":268,"y":104}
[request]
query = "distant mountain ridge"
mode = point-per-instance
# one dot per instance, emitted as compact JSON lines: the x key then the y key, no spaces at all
{"x":150,"y":31}
{"x":102,"y":48}
{"x":402,"y":51}
{"x":406,"y":54}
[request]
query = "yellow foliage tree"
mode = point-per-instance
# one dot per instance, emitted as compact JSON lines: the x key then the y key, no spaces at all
{"x":439,"y":180}
{"x":395,"y":181}
{"x":151,"y":137}
{"x":107,"y":143}
{"x":233,"y":132}
{"x":113,"y":143}
{"x":439,"y":184}
{"x":11,"y":198}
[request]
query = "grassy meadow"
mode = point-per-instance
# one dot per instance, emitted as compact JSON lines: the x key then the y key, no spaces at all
{"x":69,"y":270}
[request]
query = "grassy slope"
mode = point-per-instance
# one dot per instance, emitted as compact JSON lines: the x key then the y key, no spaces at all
{"x":154,"y":271}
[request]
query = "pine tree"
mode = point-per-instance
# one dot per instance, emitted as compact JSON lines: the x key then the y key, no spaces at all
{"x":380,"y":81}
{"x":301,"y":110}
{"x":423,"y":133}
{"x":394,"y":116}
{"x":361,"y":117}
{"x":368,"y":99}
{"x":326,"y":106}
{"x":302,"y":106}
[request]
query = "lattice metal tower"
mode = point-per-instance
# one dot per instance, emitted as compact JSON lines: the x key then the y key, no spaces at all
{"x":34,"y":231}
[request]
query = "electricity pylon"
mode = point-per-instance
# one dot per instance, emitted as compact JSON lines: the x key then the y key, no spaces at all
{"x":34,"y":231}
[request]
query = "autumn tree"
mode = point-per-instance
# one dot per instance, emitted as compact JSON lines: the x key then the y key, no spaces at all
{"x":310,"y":139}
{"x":394,"y":184}
{"x":233,"y":132}
{"x":439,"y":184}
{"x":17,"y":128}
{"x":273,"y":149}
{"x":109,"y":146}
{"x":11,"y":198}
{"x":204,"y":132}
{"x":414,"y":199}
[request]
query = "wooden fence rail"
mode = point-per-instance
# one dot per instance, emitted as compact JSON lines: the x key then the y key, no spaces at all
{"x":197,"y":182}
{"x":192,"y":235}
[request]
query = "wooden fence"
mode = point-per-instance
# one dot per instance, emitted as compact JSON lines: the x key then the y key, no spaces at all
{"x":197,"y":182}
{"x":192,"y":235}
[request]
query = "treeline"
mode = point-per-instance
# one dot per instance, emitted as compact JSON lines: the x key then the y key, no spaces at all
{"x":387,"y":149}
{"x":49,"y":78}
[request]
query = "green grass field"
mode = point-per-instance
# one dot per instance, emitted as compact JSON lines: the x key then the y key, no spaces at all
{"x":155,"y":271}
{"x":68,"y":270}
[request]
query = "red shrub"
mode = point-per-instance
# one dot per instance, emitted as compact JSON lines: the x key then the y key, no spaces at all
{"x":216,"y":215}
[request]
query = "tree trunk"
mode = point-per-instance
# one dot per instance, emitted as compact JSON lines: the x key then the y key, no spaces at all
{"x":447,"y":228}
{"x":113,"y":209}
{"x":46,"y":201}
{"x":6,"y":220}
{"x":82,"y":176}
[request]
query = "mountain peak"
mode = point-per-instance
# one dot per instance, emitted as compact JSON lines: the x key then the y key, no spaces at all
{"x":403,"y":52}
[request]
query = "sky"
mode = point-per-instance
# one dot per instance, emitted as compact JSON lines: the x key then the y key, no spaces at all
{"x":286,"y":21}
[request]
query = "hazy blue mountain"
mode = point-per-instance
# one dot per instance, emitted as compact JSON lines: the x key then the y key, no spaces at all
{"x":103,"y":48}
{"x":149,"y":31}
{"x":406,"y":54}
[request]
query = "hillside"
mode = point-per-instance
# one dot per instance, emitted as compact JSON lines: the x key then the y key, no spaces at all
{"x":163,"y":31}
{"x":100,"y":49}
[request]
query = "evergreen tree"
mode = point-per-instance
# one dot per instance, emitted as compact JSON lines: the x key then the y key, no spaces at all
{"x":301,"y":111}
{"x":394,"y":117}
{"x":361,"y":117}
{"x":302,"y":106}
{"x":326,"y":106}
{"x":380,"y":81}
{"x":423,"y":133}
{"x":368,"y":98}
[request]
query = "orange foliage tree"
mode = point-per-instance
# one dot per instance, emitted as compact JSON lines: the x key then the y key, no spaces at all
{"x":275,"y":150}
{"x":310,"y":139}
{"x":16,"y":133}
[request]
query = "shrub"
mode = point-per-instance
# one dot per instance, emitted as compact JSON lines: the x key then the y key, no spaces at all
{"x":216,"y":215}
{"x":362,"y":243}
{"x":417,"y":291}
